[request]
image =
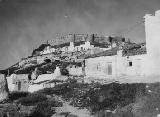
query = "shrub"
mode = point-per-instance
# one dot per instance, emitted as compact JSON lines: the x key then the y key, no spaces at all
{"x":16,"y":95}
{"x":148,"y":105}
{"x":45,"y":108}
{"x":108,"y":96}
{"x":32,"y":99}
{"x":64,"y":72}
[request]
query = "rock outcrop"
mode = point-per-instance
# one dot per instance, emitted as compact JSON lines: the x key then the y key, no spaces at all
{"x":3,"y":88}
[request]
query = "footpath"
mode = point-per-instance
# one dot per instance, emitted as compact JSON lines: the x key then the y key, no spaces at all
{"x":68,"y":110}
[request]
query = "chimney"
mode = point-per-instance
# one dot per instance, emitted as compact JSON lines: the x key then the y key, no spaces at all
{"x":110,"y":39}
{"x":123,"y":39}
{"x":93,"y":37}
{"x":74,"y":38}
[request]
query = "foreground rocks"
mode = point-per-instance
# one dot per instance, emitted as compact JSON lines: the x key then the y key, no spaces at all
{"x":3,"y":88}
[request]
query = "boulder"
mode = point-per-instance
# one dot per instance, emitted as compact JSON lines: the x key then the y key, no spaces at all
{"x":3,"y":88}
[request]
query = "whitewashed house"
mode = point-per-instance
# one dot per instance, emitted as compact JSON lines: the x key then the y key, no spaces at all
{"x":137,"y":65}
{"x":47,"y":50}
{"x":22,"y":82}
{"x":18,"y":82}
{"x":113,"y":64}
{"x":44,"y":81}
{"x":75,"y":70}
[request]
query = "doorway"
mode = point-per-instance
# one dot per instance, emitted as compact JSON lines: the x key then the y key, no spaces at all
{"x":109,"y":68}
{"x":19,"y":86}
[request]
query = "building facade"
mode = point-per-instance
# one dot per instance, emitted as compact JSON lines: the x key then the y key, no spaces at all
{"x":115,"y":66}
{"x":152,"y":29}
{"x":137,"y":64}
{"x":18,"y":82}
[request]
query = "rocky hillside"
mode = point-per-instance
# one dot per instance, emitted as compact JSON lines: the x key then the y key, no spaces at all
{"x":47,"y":62}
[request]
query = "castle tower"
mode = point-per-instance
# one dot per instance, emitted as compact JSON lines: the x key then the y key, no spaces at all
{"x":152,"y":30}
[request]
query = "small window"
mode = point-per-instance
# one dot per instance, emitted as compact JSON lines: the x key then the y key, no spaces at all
{"x":130,"y":63}
{"x":98,"y":67}
{"x":125,"y":52}
{"x":123,"y":39}
{"x":109,"y":68}
{"x":81,"y":48}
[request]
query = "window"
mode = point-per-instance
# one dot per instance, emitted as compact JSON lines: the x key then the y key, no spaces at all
{"x":123,"y":39}
{"x":81,"y":48}
{"x":130,"y":64}
{"x":19,"y":85}
{"x":98,"y":67}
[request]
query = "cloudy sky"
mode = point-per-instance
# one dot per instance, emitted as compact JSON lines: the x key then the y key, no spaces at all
{"x":24,"y":24}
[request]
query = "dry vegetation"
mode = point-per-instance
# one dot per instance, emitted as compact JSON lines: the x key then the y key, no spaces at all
{"x":123,"y":100}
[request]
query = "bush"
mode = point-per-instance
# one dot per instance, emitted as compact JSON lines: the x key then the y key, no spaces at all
{"x":16,"y":95}
{"x":45,"y":108}
{"x":148,"y":105}
{"x":107,"y":96}
{"x":64,"y":72}
{"x":32,"y":99}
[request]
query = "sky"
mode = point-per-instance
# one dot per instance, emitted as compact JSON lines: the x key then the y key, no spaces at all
{"x":25,"y":24}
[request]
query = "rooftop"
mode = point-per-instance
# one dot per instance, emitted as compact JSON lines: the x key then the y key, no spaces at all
{"x":128,"y":50}
{"x":110,"y":52}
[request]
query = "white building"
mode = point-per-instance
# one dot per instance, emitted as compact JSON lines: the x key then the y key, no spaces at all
{"x":137,"y":66}
{"x":114,"y":66}
{"x":152,"y":29}
{"x":44,"y":81}
{"x":18,"y":82}
{"x":75,"y":70}
{"x":48,"y":50}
